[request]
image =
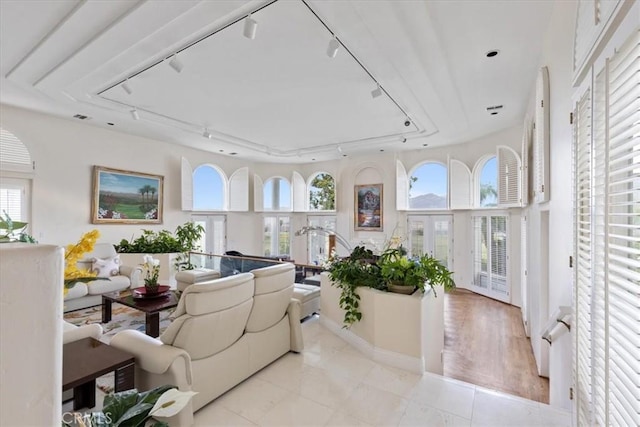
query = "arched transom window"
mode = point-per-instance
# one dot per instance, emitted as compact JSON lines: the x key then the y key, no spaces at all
{"x":208,"y":188}
{"x":428,"y":186}
{"x":277,"y":194}
{"x":322,"y":192}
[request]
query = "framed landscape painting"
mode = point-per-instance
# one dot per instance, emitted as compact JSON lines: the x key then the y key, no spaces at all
{"x":368,"y":207}
{"x":126,"y":197}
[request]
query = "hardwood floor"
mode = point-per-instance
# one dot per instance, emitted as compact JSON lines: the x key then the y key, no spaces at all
{"x":485,"y":344}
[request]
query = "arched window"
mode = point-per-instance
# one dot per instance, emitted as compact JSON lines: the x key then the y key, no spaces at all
{"x":428,"y":186}
{"x":277,"y":194}
{"x":488,"y":183}
{"x":208,"y":188}
{"x":15,"y":196}
{"x":322,"y":192}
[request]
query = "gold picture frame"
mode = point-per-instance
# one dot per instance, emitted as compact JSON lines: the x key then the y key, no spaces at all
{"x":368,"y":200}
{"x":126,"y":197}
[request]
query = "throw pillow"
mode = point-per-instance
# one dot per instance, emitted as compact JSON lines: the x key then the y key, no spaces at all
{"x":106,"y":267}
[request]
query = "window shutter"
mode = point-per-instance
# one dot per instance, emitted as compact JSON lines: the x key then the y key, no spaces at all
{"x":14,"y":156}
{"x":623,"y":229}
{"x":541,"y":139}
{"x":299,"y":192}
{"x":524,"y":173}
{"x":187,"y":185}
{"x":239,"y":190}
{"x":11,"y":203}
{"x":460,"y":187}
{"x":508,"y":177}
{"x":480,"y":273}
{"x":258,"y":194}
{"x":402,"y":187}
{"x":582,"y":208}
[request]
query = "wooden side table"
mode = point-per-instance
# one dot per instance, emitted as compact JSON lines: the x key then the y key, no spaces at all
{"x":87,"y":359}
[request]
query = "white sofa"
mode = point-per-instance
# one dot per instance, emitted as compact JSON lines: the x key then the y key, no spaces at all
{"x":121,"y":277}
{"x":224,"y":330}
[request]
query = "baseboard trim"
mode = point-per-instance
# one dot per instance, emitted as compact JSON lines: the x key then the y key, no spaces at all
{"x":391,"y":358}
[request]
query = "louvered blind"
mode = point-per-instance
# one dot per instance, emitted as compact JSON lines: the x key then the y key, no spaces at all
{"x":508,"y":177}
{"x":14,"y":156}
{"x":11,"y":203}
{"x":623,"y":234}
{"x":582,"y":208}
{"x":480,"y":252}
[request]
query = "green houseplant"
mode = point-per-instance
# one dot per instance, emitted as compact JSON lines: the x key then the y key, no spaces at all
{"x":392,"y":270}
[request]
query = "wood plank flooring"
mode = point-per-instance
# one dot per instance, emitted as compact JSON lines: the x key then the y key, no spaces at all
{"x":485,"y":344}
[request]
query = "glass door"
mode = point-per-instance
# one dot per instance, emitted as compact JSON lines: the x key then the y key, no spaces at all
{"x":490,"y":256}
{"x":213,"y":241}
{"x":431,"y":234}
{"x":318,"y":243}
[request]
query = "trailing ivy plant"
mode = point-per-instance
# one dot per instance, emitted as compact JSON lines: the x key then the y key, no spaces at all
{"x":359,"y":269}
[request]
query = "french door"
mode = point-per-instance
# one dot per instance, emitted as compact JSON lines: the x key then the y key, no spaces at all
{"x":214,"y":239}
{"x":431,"y":234}
{"x":490,"y":259}
{"x":318,"y":243}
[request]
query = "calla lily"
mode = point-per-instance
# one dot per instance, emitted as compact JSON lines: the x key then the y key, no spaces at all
{"x":148,"y":259}
{"x":171,"y":402}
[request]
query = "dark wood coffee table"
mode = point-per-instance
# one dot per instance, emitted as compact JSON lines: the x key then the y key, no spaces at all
{"x":150,"y":306}
{"x":87,"y":359}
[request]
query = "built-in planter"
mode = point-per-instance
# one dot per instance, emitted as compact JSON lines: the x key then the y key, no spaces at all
{"x":167,"y":269}
{"x":405,"y":331}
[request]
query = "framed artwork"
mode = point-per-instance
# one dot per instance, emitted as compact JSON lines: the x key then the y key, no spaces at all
{"x":126,"y":197}
{"x":368,"y":207}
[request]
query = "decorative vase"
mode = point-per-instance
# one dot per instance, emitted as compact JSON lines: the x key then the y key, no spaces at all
{"x":400,"y":289}
{"x":151,"y":288}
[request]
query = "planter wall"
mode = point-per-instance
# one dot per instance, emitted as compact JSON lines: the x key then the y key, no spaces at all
{"x":167,"y":270}
{"x":405,"y":331}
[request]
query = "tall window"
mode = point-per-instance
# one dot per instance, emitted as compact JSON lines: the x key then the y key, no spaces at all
{"x":277,"y":236}
{"x":208,"y":189}
{"x":488,"y":179}
{"x":13,"y":198}
{"x":322,"y":193}
{"x":490,"y":237}
{"x":14,"y":193}
{"x":428,"y":186}
{"x":277,"y":194}
{"x":213,"y":241}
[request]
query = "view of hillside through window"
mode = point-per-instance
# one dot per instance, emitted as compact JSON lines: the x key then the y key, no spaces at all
{"x":428,"y":187}
{"x":207,"y":189}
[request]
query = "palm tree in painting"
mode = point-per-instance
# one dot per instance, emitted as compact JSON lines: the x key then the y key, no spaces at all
{"x":152,"y":190}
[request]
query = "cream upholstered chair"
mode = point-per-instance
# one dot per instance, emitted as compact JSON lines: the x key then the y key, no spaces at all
{"x":223,"y":331}
{"x":71,"y":332}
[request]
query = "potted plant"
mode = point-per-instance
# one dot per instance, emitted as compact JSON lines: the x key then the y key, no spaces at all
{"x":391,"y":271}
{"x":404,"y":275}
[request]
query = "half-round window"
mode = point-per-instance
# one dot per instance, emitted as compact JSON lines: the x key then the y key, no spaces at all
{"x":428,"y":186}
{"x":277,"y":194}
{"x":208,"y":189}
{"x":487,"y":191}
{"x":322,"y":192}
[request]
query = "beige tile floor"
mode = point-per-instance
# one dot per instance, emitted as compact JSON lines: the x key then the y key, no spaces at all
{"x":332,"y":384}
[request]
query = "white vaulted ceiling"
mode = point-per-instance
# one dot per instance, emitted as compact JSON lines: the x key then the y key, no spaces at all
{"x":278,"y":97}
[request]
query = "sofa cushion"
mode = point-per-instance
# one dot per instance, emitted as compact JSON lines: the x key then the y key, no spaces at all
{"x":106,"y":267}
{"x":274,"y":289}
{"x":114,"y":283}
{"x":77,"y":291}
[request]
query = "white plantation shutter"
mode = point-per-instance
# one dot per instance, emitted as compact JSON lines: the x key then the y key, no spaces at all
{"x":607,"y":238}
{"x":480,"y":273}
{"x":186,"y":185}
{"x":460,"y":185}
{"x":541,"y":139}
{"x":524,"y":173}
{"x":623,"y":234}
{"x":239,"y":191}
{"x":582,"y":214}
{"x":14,"y":156}
{"x":402,"y":187}
{"x":11,"y":202}
{"x":508,"y":177}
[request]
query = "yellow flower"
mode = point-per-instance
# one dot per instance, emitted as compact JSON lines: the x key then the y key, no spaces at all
{"x":73,"y":254}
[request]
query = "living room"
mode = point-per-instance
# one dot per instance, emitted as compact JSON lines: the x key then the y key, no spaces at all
{"x":65,"y":150}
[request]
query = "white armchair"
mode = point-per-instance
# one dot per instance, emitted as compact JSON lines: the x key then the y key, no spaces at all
{"x":71,"y":332}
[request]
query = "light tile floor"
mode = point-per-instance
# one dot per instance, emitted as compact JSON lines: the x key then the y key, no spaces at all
{"x":332,"y":384}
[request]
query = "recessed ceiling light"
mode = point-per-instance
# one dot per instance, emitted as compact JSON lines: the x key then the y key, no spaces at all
{"x":233,"y":154}
{"x":313,"y":160}
{"x":110,"y":124}
{"x":382,"y":149}
{"x":425,"y":145}
{"x":492,"y":53}
{"x":495,"y":113}
{"x":222,"y":151}
{"x":80,"y":116}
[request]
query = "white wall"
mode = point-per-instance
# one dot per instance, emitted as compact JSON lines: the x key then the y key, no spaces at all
{"x":30,"y":334}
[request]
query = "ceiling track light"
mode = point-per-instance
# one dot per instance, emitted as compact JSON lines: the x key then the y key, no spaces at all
{"x":207,"y":134}
{"x":134,"y":114}
{"x":332,"y":49}
{"x":376,"y":92}
{"x":176,"y":64}
{"x":403,"y":139}
{"x":250,"y":27}
{"x":125,"y":86}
